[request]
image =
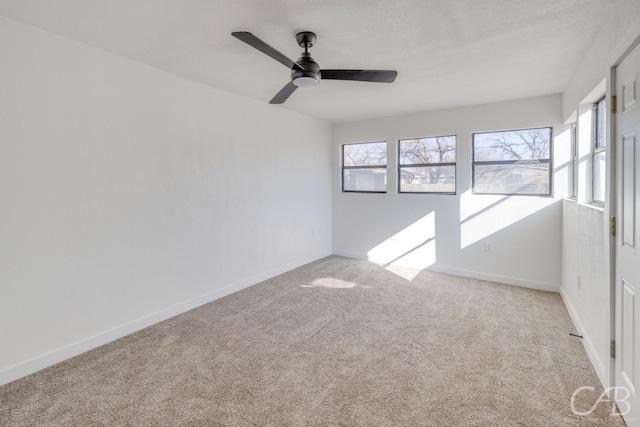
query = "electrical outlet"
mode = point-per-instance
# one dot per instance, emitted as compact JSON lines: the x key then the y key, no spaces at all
{"x":488,"y":246}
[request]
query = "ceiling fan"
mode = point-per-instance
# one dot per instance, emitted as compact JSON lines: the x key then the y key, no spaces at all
{"x":305,"y":72}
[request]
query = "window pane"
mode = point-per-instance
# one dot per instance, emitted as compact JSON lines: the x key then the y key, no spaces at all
{"x":369,"y":154}
{"x":364,"y":180}
{"x":528,"y":144}
{"x":601,"y":124}
{"x":599,"y":180}
{"x":512,"y":179}
{"x":428,"y":179}
{"x":505,"y":162}
{"x":440,"y":149}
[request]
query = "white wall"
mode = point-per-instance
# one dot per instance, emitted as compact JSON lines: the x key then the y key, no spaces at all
{"x":129,"y":195}
{"x":585,"y":279}
{"x":448,"y":233}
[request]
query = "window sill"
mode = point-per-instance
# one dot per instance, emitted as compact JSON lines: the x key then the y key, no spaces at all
{"x":595,"y":207}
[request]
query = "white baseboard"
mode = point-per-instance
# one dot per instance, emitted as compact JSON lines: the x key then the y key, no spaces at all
{"x":507,"y":280}
{"x":532,"y":284}
{"x":354,"y":255}
{"x":31,"y":366}
{"x":597,"y":363}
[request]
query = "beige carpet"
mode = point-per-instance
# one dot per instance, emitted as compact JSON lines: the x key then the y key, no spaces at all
{"x":337,"y":342}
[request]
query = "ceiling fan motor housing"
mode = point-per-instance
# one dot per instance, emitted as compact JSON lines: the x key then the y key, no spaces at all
{"x":309,"y":74}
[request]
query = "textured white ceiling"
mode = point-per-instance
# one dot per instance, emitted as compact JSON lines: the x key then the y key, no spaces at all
{"x":447,"y":53}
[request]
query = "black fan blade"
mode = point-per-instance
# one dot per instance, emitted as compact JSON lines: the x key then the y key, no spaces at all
{"x":380,"y":76}
{"x":284,"y":93}
{"x":255,"y":42}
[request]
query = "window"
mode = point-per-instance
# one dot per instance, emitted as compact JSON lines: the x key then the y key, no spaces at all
{"x":427,"y":165}
{"x":364,"y":167}
{"x":515,"y":162}
{"x":599,"y":151}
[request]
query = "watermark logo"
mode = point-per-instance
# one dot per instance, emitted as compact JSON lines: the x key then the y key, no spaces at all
{"x":619,"y":396}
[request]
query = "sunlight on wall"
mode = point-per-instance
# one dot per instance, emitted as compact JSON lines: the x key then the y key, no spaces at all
{"x":563,"y":171}
{"x":562,"y":149}
{"x":482,"y":216}
{"x":413,"y":247}
{"x":584,"y":150}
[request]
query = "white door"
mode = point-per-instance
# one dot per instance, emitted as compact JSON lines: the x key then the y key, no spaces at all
{"x":627,"y":286}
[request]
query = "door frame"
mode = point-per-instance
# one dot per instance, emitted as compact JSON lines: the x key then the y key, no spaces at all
{"x":627,"y":43}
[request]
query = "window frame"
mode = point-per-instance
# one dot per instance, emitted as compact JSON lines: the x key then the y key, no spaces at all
{"x":419,"y":165}
{"x":342,"y":148}
{"x":597,"y":147}
{"x":474,"y":163}
{"x":575,"y":161}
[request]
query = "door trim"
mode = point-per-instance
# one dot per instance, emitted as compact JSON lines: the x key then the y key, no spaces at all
{"x":624,"y":47}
